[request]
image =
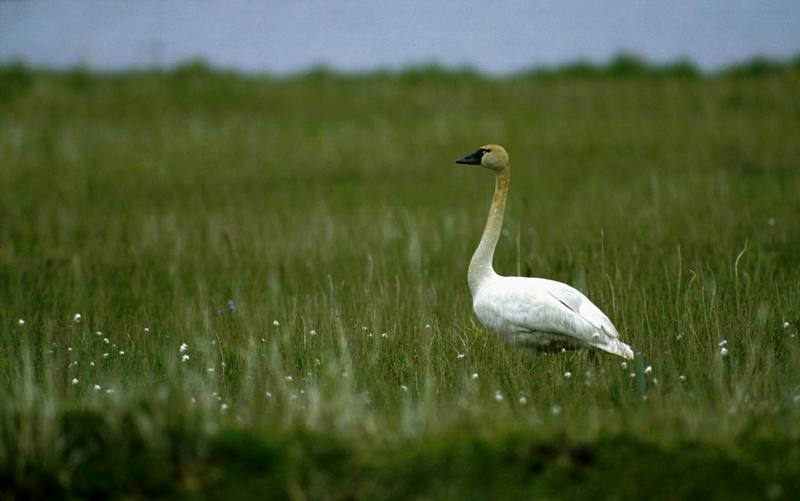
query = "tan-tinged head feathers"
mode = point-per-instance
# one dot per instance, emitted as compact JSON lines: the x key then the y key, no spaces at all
{"x":491,"y":156}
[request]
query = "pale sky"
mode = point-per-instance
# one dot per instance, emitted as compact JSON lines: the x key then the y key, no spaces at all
{"x":496,"y":37}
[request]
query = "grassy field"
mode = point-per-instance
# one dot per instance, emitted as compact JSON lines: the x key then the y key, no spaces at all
{"x":271,"y":281}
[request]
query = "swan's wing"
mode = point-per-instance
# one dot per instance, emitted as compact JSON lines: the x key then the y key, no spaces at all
{"x":581,"y":306}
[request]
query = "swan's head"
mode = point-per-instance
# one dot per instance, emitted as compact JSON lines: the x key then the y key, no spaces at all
{"x":491,"y":156}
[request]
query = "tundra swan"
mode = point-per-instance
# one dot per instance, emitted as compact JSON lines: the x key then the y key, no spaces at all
{"x":535,"y":312}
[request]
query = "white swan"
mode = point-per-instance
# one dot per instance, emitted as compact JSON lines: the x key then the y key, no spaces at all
{"x":536,"y":312}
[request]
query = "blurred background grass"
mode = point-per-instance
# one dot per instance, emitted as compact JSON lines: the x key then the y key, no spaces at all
{"x":307,"y":238}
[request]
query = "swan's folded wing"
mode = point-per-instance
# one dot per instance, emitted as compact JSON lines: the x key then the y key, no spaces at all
{"x":581,"y":306}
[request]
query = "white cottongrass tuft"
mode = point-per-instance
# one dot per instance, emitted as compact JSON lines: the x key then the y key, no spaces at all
{"x":121,"y":352}
{"x":404,"y":388}
{"x":722,"y":343}
{"x":77,"y":318}
{"x":785,"y":324}
{"x":523,"y":400}
{"x":474,"y":376}
{"x":568,"y":374}
{"x":312,"y":332}
{"x":648,"y":369}
{"x":624,"y":365}
{"x":682,"y":377}
{"x":97,"y":387}
{"x":498,"y":395}
{"x":75,"y":380}
{"x":723,"y":351}
{"x":184,"y":348}
{"x":21,"y":321}
{"x":461,"y":355}
{"x":185,"y":358}
{"x":146,"y":330}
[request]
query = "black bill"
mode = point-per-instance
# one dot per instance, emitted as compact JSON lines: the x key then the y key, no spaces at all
{"x":473,"y":158}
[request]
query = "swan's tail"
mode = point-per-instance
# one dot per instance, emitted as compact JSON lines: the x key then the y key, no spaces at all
{"x":616,"y":347}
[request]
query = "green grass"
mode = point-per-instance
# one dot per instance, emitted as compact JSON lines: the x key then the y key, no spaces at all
{"x":329,"y":210}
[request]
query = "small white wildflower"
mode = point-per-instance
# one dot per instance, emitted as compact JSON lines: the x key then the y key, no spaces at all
{"x":385,"y":335}
{"x":563,"y":350}
{"x":275,"y":323}
{"x":121,"y":352}
{"x":461,"y":355}
{"x":185,"y":358}
{"x":312,"y":332}
{"x":474,"y":376}
{"x":722,"y":343}
{"x":624,"y":365}
{"x":655,"y":382}
{"x":679,"y":336}
{"x":210,"y":369}
{"x":498,"y":396}
{"x":723,"y":351}
{"x":369,"y":335}
{"x":364,"y":328}
{"x":97,"y":387}
{"x":21,"y":321}
{"x":184,"y":347}
{"x":555,"y":409}
{"x":568,"y":374}
{"x":75,"y":380}
{"x":77,"y":318}
{"x":268,"y":394}
{"x":106,"y":340}
{"x":404,"y":387}
{"x":427,"y":326}
{"x":289,"y":378}
{"x":91,"y":363}
{"x":632,"y":375}
{"x":523,"y":400}
{"x":69,"y":348}
{"x":98,"y":333}
{"x":682,"y":377}
{"x":648,"y":369}
{"x":146,"y":330}
{"x":109,"y":391}
{"x":785,"y":324}
{"x":222,"y":364}
{"x":223,"y":407}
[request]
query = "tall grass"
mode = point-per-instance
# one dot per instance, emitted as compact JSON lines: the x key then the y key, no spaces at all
{"x":307,"y":239}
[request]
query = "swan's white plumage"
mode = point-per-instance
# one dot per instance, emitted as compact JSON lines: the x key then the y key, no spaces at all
{"x":544,"y":314}
{"x":536,"y":312}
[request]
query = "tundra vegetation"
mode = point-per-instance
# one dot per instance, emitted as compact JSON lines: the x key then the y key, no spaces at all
{"x":218,"y":285}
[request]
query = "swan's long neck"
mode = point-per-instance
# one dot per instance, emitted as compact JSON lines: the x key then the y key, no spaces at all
{"x":480,"y":267}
